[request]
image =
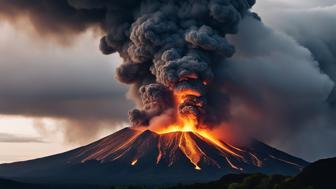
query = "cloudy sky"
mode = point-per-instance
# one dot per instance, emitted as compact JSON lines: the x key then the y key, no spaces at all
{"x":58,"y":94}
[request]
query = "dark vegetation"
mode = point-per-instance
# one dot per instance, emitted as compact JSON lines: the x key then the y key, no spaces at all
{"x":252,"y":181}
{"x":10,"y":184}
{"x":318,"y":175}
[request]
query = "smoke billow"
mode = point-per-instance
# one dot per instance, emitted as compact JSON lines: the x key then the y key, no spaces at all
{"x":170,"y":47}
{"x":299,"y":112}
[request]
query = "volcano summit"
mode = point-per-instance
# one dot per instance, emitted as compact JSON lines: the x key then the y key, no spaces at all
{"x":132,"y":156}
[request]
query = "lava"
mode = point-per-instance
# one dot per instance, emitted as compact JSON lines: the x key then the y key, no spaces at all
{"x":134,"y":162}
{"x":191,"y":149}
{"x":173,"y":146}
{"x":190,"y":124}
{"x":188,"y":137}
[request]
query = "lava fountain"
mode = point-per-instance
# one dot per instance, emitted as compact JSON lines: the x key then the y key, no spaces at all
{"x":188,"y":123}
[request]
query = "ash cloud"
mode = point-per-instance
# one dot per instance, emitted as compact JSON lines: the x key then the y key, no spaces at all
{"x":320,"y":40}
{"x":289,"y":93}
{"x":170,"y":45}
{"x":309,"y":125}
{"x":156,"y":100}
{"x":285,"y":85}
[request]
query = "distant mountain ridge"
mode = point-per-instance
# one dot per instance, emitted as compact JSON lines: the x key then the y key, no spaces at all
{"x":130,"y":156}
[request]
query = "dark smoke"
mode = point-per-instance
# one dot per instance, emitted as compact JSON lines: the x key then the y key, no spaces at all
{"x":170,"y":47}
{"x":156,"y":99}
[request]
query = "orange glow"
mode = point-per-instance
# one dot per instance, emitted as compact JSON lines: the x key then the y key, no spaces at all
{"x":231,"y":164}
{"x":181,"y":96}
{"x":190,"y":149}
{"x":186,"y":124}
{"x":134,"y":162}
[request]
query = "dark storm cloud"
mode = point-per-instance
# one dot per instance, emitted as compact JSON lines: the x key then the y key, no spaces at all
{"x":51,"y":18}
{"x":74,"y":85}
{"x":9,"y":138}
{"x":68,"y":83}
{"x":110,"y":107}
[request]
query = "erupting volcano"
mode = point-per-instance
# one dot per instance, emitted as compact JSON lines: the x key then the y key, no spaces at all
{"x":187,"y":137}
{"x":181,"y":152}
{"x":174,"y":53}
{"x":135,"y":156}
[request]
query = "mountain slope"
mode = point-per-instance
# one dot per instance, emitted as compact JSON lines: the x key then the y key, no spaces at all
{"x":143,"y":157}
{"x":320,"y":174}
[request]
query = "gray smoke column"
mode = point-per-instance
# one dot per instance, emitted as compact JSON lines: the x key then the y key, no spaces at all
{"x":170,"y":48}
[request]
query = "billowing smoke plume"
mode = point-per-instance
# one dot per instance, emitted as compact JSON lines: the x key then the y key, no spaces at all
{"x":170,"y":48}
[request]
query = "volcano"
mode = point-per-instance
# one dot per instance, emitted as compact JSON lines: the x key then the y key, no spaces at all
{"x":132,"y":156}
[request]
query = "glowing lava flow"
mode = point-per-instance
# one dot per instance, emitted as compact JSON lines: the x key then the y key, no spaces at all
{"x":189,"y":124}
{"x":188,"y":146}
{"x":134,"y":162}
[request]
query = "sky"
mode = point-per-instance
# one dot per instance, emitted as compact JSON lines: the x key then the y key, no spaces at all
{"x":34,"y":71}
{"x":59,"y":94}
